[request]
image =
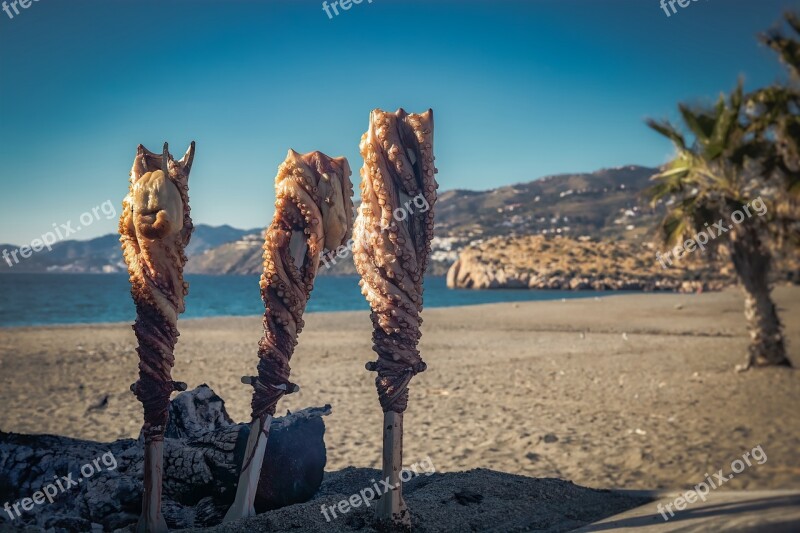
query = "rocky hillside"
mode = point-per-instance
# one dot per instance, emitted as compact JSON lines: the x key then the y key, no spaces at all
{"x":602,"y":205}
{"x":538,"y":262}
{"x":243,"y":257}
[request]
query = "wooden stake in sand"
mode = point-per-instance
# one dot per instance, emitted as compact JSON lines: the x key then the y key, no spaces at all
{"x":392,"y":236}
{"x":313,"y":215}
{"x":154,"y":229}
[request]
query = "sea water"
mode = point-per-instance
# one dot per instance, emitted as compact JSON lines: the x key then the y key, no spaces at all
{"x":38,"y":299}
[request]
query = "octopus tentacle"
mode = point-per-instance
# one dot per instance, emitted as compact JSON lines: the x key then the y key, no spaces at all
{"x":313,"y":214}
{"x":391,"y":255}
{"x":154,"y":228}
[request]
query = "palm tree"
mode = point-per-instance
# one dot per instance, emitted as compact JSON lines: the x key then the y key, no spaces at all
{"x":742,"y":152}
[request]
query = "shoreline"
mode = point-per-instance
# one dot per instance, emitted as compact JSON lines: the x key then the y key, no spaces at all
{"x":589,"y":294}
{"x":630,"y":390}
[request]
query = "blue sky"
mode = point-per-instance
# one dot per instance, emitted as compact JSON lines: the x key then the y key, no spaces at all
{"x":520,"y":90}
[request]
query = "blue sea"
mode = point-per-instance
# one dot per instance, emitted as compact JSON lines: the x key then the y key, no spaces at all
{"x":38,"y":299}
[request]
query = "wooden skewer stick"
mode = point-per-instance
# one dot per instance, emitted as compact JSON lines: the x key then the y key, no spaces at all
{"x":243,"y":505}
{"x":151,"y":519}
{"x":391,"y":504}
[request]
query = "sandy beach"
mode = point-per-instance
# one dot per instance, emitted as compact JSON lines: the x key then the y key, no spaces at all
{"x":629,"y":391}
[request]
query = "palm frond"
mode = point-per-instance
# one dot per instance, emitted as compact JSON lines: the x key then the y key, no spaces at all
{"x":727,"y":123}
{"x":787,"y":48}
{"x":700,"y":122}
{"x":674,"y":227}
{"x":669,"y":131}
{"x":793,"y":19}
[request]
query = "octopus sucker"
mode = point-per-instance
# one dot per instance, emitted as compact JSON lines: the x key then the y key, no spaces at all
{"x":313,"y":215}
{"x":155,"y":227}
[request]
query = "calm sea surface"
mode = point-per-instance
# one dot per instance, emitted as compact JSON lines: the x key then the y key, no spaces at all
{"x":35,"y":299}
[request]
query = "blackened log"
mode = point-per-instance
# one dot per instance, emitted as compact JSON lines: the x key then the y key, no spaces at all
{"x":203,"y":452}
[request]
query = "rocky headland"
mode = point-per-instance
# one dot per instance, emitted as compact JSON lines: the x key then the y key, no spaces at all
{"x":539,"y":262}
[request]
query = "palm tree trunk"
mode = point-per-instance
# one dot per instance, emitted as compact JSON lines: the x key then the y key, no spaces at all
{"x":753,"y":262}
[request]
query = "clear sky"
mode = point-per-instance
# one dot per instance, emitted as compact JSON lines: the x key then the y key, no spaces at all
{"x":519,"y":89}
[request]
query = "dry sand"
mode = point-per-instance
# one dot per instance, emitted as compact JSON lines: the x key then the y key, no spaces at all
{"x":630,"y":391}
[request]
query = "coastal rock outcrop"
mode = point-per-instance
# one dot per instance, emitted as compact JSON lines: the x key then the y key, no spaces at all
{"x":537,"y":262}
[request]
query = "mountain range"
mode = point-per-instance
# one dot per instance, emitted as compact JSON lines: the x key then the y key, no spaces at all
{"x":602,"y":205}
{"x":103,"y":254}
